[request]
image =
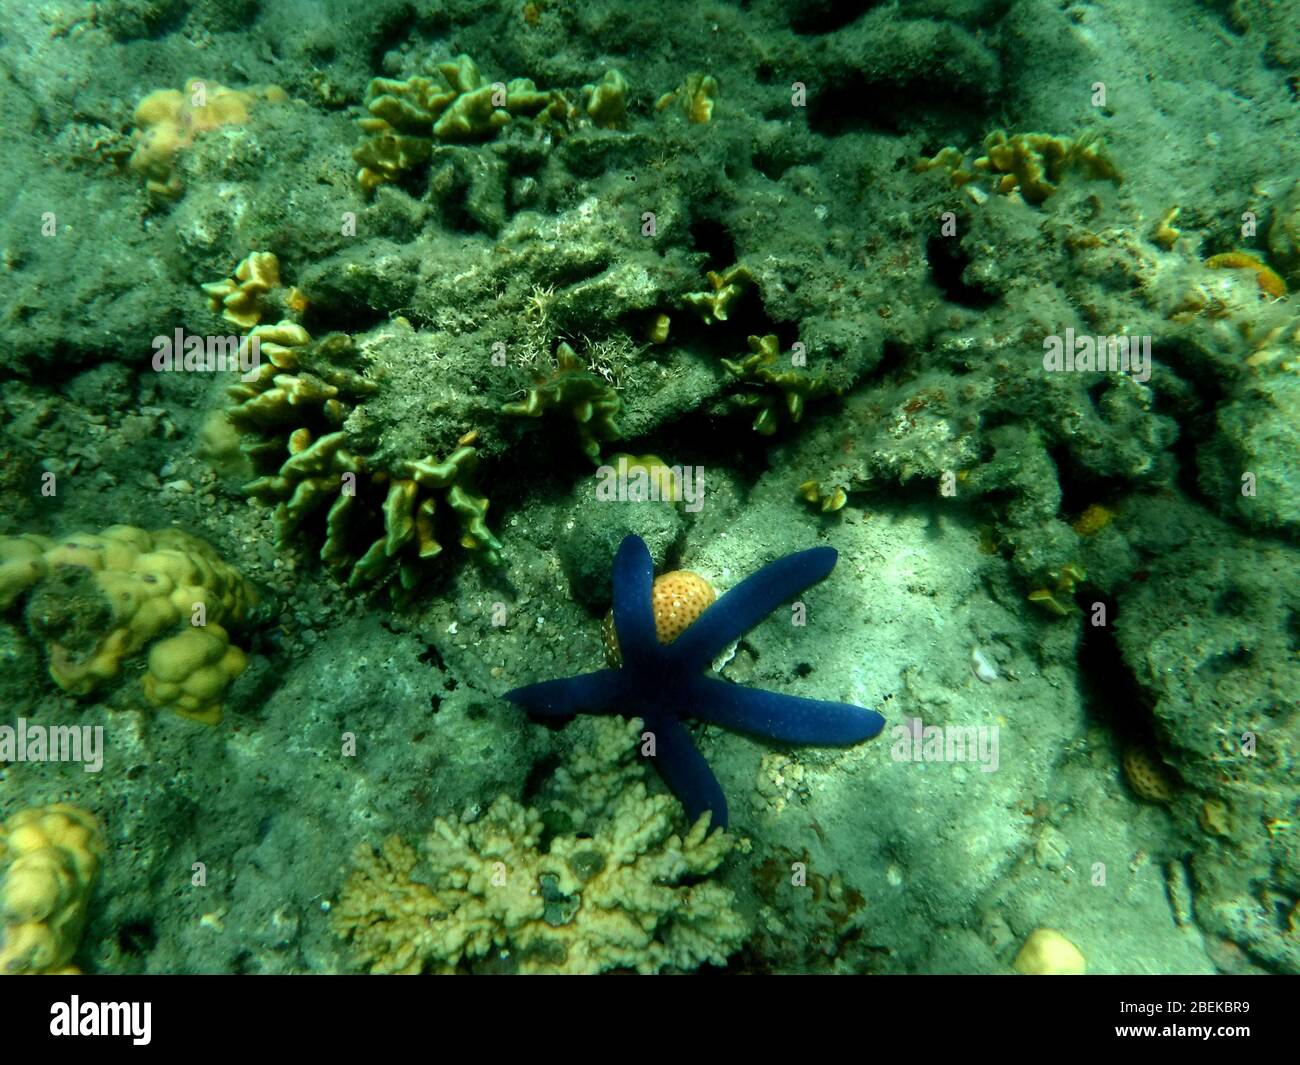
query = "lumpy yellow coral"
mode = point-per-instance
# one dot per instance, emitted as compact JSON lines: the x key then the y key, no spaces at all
{"x":167,"y":121}
{"x":96,"y":599}
{"x":1048,"y":953}
{"x":49,"y":857}
{"x":677,"y":599}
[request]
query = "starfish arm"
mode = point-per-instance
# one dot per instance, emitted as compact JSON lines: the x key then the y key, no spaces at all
{"x":788,"y":718}
{"x":588,"y":693}
{"x":685,"y":771}
{"x":748,"y":603}
{"x":634,"y":620}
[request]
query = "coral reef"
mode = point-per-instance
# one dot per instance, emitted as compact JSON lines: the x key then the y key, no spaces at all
{"x":628,"y":892}
{"x":49,"y":858}
{"x":378,"y":518}
{"x":252,"y":292}
{"x":94,"y":600}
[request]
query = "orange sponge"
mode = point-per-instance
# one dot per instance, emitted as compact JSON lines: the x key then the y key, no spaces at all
{"x":678,"y":598}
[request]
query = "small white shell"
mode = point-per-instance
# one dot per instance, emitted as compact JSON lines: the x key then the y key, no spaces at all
{"x":984,"y":669}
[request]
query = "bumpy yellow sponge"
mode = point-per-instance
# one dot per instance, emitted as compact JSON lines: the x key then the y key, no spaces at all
{"x":167,"y":121}
{"x":96,"y":599}
{"x":50,"y":856}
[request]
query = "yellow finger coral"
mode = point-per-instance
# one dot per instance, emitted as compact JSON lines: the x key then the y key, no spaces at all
{"x":696,"y":96}
{"x":772,"y":391}
{"x":96,"y":599}
{"x":1269,"y":280}
{"x":725,"y":288}
{"x":167,"y":121}
{"x":49,"y":857}
{"x":290,"y":415}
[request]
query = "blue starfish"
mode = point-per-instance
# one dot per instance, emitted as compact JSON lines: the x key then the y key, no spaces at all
{"x":663,"y":683}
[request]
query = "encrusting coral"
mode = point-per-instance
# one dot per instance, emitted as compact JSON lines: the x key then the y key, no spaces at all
{"x":627,"y":892}
{"x":167,"y":121}
{"x":49,"y":857}
{"x":573,"y":389}
{"x":96,"y":599}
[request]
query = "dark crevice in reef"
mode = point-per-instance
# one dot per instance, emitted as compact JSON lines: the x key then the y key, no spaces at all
{"x":857,"y":105}
{"x":948,"y":262}
{"x":1081,"y":488}
{"x":818,"y":17}
{"x":711,"y":237}
{"x":1111,"y":696}
{"x":1193,"y":408}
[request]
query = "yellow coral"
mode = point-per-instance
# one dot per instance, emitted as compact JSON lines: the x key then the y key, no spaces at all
{"x":189,"y":672}
{"x":677,"y":599}
{"x":606,"y":100}
{"x":830,"y":498}
{"x":725,"y":288}
{"x":167,"y":120}
{"x":696,"y":96}
{"x":50,"y":856}
{"x":1095,"y":518}
{"x":407,"y":117}
{"x":100,"y":598}
{"x":1048,"y":953}
{"x":1028,"y":164}
{"x":241,"y":298}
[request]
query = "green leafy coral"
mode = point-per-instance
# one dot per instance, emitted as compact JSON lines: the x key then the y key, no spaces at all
{"x":573,"y":390}
{"x":1029,"y":164}
{"x":407,"y":118}
{"x":377,"y":519}
{"x":773,"y":394}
